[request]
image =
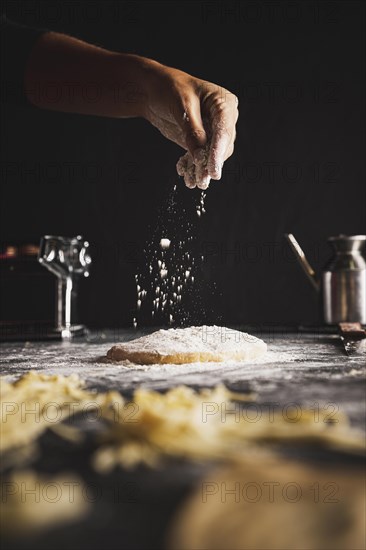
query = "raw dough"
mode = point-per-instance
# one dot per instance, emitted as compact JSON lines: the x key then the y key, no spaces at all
{"x":190,"y":345}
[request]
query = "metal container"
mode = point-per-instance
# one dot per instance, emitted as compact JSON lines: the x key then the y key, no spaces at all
{"x":344,"y":281}
{"x":342,"y":285}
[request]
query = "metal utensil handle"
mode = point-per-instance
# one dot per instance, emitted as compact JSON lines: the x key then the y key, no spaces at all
{"x":301,"y":258}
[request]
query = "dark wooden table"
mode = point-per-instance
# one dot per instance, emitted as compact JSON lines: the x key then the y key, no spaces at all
{"x":306,"y":368}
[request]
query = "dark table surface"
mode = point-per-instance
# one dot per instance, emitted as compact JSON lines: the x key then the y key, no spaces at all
{"x":300,"y":367}
{"x":306,"y":368}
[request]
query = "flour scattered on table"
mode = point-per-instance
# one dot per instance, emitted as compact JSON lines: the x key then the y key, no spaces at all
{"x":190,"y":345}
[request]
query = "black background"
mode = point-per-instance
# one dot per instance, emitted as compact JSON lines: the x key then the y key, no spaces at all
{"x":298,"y":69}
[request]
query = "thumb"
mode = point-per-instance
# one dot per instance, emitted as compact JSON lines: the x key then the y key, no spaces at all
{"x":192,"y":127}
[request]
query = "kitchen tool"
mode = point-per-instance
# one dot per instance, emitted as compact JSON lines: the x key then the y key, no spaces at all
{"x":342,"y":285}
{"x":67,"y":258}
{"x":353,"y":338}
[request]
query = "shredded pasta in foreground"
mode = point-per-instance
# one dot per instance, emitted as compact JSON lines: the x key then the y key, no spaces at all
{"x":203,"y":425}
{"x":31,"y":501}
{"x":36,"y":402}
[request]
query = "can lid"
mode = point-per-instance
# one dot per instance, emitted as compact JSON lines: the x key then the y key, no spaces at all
{"x":342,"y":237}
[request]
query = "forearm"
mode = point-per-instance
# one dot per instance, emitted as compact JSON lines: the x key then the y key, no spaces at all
{"x":66,"y":74}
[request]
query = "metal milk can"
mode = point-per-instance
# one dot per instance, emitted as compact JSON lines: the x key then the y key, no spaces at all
{"x":343,"y":280}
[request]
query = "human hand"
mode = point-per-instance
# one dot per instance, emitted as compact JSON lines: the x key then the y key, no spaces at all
{"x":197,"y":115}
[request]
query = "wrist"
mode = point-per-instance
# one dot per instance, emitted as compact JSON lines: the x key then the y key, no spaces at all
{"x":137,"y":77}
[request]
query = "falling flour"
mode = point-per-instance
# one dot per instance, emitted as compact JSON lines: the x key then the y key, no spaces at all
{"x":172,"y":266}
{"x":200,"y":208}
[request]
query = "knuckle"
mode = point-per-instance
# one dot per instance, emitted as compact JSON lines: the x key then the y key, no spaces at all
{"x":198,"y":134}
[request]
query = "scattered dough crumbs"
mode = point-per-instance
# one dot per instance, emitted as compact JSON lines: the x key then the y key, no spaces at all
{"x":31,"y":502}
{"x":207,"y":424}
{"x":190,"y":345}
{"x":52,"y":399}
{"x":246,"y":505}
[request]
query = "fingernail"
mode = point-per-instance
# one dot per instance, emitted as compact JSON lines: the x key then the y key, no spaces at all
{"x":204,"y":183}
